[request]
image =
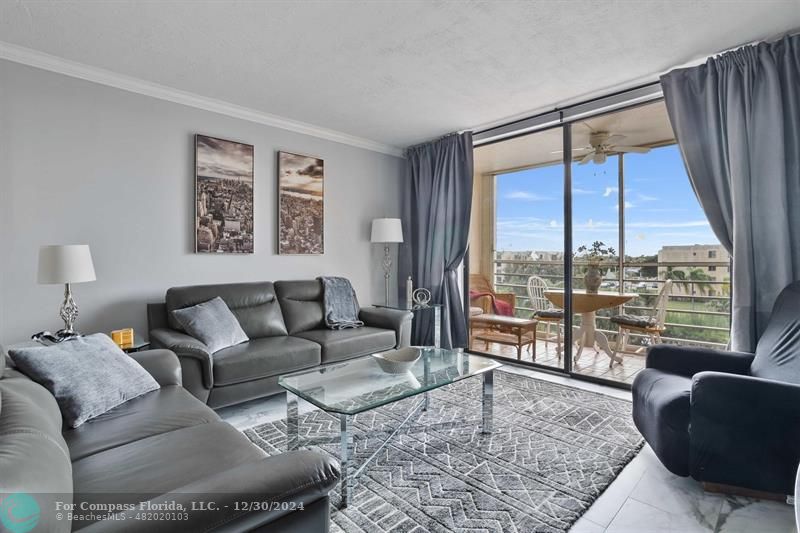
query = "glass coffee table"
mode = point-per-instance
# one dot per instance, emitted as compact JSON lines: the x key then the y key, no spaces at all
{"x":358,"y":385}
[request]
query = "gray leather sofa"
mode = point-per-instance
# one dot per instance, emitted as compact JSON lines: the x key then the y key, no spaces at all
{"x":165,"y":446}
{"x":285,"y":323}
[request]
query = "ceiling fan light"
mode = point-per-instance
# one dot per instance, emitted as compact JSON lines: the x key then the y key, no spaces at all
{"x":599,"y":158}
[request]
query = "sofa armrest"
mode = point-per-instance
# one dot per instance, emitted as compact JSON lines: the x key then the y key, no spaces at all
{"x":742,"y":431}
{"x":185,"y":347}
{"x":242,"y":496}
{"x":396,"y":319}
{"x":163,"y":365}
{"x":688,"y":361}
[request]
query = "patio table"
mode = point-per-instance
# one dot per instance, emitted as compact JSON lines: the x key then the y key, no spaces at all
{"x":587,"y":304}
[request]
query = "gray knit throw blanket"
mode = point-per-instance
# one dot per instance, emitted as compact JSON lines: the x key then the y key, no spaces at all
{"x":340,"y":303}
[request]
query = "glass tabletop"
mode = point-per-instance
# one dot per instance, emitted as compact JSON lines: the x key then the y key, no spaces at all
{"x":362,"y":384}
{"x":414,"y":307}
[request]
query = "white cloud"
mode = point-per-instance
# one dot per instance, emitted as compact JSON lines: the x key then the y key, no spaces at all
{"x":553,"y":224}
{"x":628,"y":205}
{"x":579,"y":191}
{"x":528,"y":196}
{"x":610,"y":190}
{"x":646,"y":198}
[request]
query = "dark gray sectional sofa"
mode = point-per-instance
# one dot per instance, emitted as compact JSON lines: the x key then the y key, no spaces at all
{"x":164,"y":447}
{"x":285,"y":323}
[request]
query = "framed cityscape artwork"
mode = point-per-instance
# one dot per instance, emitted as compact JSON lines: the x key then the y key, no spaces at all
{"x":223,"y":196}
{"x":301,"y":204}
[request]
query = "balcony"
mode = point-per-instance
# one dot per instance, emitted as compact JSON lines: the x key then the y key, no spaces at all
{"x":698,"y":309}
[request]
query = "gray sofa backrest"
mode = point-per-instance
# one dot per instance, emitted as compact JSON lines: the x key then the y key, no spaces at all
{"x":301,"y":302}
{"x":34,"y":458}
{"x":254,"y":304}
{"x":778,"y":350}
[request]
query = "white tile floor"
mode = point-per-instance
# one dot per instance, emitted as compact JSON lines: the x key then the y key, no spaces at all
{"x":645,"y":497}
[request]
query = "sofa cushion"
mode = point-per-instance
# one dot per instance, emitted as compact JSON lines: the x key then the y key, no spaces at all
{"x":301,"y":302}
{"x":661,"y":413}
{"x":212,"y":323}
{"x":347,"y":343}
{"x":34,"y":457}
{"x":166,"y":409}
{"x":253,"y":304}
{"x":549,"y":313}
{"x":637,"y":321}
{"x":87,"y":375}
{"x":263,"y":357}
{"x":143,"y":469}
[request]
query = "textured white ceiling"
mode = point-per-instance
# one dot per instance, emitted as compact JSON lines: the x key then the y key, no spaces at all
{"x":393,"y":72}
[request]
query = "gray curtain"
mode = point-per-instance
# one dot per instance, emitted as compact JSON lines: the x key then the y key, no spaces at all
{"x":436,"y":212}
{"x":737,"y":122}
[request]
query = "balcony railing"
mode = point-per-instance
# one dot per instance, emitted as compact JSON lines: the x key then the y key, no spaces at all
{"x":698,"y":310}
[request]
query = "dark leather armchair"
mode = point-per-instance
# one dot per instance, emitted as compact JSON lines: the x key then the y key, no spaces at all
{"x":728,"y":418}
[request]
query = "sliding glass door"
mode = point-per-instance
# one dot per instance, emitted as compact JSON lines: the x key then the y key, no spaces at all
{"x":645,"y":266}
{"x":520,"y":189}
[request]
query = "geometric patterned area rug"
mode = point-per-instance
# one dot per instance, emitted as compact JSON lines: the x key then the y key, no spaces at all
{"x":553,"y":451}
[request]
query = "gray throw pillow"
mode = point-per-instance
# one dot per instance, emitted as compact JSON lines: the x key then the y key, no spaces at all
{"x":87,"y":375}
{"x":212,"y":323}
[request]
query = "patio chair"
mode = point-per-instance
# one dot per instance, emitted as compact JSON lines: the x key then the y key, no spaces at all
{"x":651,"y":325}
{"x":483,"y":296}
{"x":544,"y":311}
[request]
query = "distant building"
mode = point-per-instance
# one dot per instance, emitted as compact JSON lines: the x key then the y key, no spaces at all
{"x":711,"y":260}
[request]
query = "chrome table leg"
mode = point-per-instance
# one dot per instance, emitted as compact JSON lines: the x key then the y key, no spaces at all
{"x":488,"y":400}
{"x":344,"y":459}
{"x":292,"y":422}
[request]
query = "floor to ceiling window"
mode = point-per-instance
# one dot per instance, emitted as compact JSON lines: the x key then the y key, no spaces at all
{"x":646,"y":266}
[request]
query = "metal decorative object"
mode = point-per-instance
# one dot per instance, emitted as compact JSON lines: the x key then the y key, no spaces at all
{"x":422,"y":297}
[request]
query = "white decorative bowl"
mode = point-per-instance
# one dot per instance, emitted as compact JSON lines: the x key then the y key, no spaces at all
{"x":398,"y":361}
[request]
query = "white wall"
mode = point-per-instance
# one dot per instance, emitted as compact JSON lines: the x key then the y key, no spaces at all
{"x":86,"y":163}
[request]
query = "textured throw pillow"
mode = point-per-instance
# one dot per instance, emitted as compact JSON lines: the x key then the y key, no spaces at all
{"x":87,"y":375}
{"x":212,"y":323}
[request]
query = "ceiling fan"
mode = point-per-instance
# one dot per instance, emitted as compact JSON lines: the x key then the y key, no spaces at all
{"x":602,"y":143}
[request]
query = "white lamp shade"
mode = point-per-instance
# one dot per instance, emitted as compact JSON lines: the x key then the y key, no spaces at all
{"x":69,"y":263}
{"x":387,"y":230}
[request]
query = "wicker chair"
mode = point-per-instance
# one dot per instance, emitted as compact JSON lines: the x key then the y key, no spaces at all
{"x":479,"y":283}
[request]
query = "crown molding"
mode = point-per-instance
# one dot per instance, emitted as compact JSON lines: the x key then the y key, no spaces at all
{"x":74,"y":69}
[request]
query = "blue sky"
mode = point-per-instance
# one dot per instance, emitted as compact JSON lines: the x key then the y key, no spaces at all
{"x":660,"y":206}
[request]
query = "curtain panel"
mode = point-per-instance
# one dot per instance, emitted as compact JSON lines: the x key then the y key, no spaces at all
{"x":436,"y":216}
{"x":737,"y":121}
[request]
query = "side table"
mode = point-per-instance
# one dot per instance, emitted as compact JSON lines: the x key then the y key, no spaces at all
{"x":416,"y":309}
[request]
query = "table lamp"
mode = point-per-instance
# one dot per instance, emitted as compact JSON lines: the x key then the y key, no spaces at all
{"x":386,"y":231}
{"x":67,"y":264}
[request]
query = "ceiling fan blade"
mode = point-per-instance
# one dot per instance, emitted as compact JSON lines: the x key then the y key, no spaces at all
{"x":614,"y":139}
{"x":574,"y":150}
{"x":588,"y":157}
{"x":634,"y":149}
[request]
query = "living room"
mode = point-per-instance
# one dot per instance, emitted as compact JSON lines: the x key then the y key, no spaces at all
{"x":399,"y":266}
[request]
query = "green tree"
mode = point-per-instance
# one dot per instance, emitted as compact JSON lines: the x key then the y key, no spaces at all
{"x":695,"y":278}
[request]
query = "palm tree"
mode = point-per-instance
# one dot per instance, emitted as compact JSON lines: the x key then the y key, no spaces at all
{"x":696,"y":277}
